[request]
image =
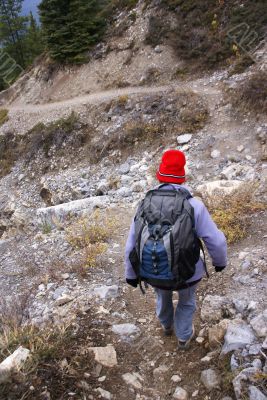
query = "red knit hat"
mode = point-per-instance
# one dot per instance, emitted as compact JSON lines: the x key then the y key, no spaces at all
{"x":171,"y":169}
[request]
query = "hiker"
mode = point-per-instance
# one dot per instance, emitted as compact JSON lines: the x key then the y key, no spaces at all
{"x":164,"y":247}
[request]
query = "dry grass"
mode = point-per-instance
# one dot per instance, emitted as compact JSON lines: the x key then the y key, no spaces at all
{"x":201,"y":34}
{"x":231,"y":213}
{"x":252,"y":94}
{"x":3,"y":116}
{"x":91,"y":235}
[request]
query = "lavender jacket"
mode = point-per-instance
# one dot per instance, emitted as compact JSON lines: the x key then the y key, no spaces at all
{"x":206,"y":229}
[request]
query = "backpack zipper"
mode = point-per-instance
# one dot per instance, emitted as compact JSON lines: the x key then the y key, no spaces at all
{"x":172,"y":249}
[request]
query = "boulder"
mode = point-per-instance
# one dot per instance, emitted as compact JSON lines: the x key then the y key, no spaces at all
{"x":240,"y":171}
{"x":246,"y":375}
{"x":212,"y":308}
{"x":180,"y":394}
{"x":219,"y":188}
{"x":256,"y":394}
{"x":55,"y":214}
{"x":259,"y":324}
{"x":105,"y":356}
{"x":238,"y":335}
{"x":12,"y":363}
{"x":210,"y":379}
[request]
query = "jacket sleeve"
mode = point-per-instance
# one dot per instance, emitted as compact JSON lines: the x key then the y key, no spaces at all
{"x":213,"y":238}
{"x":129,"y":272}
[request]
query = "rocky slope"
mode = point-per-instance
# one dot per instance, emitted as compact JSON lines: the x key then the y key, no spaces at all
{"x":55,"y":175}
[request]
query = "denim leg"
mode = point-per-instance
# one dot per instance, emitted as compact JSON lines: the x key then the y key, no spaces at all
{"x":186,"y":307}
{"x":164,"y":307}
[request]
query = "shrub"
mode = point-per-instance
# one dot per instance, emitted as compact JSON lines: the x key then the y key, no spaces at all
{"x":122,"y":100}
{"x":44,"y":137}
{"x":91,"y":235}
{"x":128,"y":4}
{"x":231,"y":213}
{"x":251,"y":95}
{"x":202,"y":32}
{"x":3,"y":116}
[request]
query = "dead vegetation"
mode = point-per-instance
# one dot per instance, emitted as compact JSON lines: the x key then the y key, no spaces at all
{"x":91,"y":236}
{"x":208,"y":33}
{"x":3,"y":116}
{"x":232,"y":212}
{"x":43,"y":140}
{"x":251,"y":95}
{"x":58,"y":363}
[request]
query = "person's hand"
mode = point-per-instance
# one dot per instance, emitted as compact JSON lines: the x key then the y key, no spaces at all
{"x":219,"y":269}
{"x":133,"y":282}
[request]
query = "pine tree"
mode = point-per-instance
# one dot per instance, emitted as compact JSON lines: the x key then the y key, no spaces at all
{"x":12,"y":29}
{"x":33,"y":40}
{"x":71,"y":27}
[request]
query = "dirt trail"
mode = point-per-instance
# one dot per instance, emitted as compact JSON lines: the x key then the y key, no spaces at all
{"x":151,"y":349}
{"x":111,"y":94}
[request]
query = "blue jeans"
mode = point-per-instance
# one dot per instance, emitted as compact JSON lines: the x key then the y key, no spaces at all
{"x":182,"y":317}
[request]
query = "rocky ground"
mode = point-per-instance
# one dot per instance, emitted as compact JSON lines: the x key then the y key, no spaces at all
{"x":103,"y":340}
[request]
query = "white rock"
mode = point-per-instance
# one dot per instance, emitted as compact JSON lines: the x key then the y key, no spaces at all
{"x":238,"y":335}
{"x":215,"y":154}
{"x":183,"y":139}
{"x":240,"y":148}
{"x":12,"y":363}
{"x":180,"y":394}
{"x":256,"y":394}
{"x":160,"y":372}
{"x":219,"y":188}
{"x":158,"y":49}
{"x":259,"y":324}
{"x":239,"y":171}
{"x":210,"y":379}
{"x":104,"y":393}
{"x":64,"y":299}
{"x":124,"y":169}
{"x":200,"y":340}
{"x":176,"y":378}
{"x":125,"y":329}
{"x":124,"y":191}
{"x":243,"y":254}
{"x":105,"y":356}
{"x":133,"y":379}
{"x":244,"y":375}
{"x":55,"y":214}
{"x":106,"y":292}
{"x":211,"y":310}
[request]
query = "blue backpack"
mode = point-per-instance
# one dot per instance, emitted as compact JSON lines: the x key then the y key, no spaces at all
{"x":167,"y":247}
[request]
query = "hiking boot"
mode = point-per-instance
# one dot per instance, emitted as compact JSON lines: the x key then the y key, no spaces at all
{"x":184,"y":345}
{"x":167,"y":331}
